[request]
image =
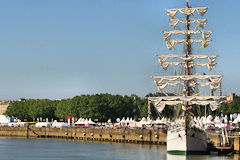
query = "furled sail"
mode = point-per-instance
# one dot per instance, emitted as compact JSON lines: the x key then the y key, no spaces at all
{"x":160,"y":105}
{"x":187,"y":11}
{"x":163,"y":85}
{"x":201,"y":22}
{"x":214,"y":81}
{"x":162,"y":58}
{"x":170,"y":44}
{"x":210,"y":65}
{"x":213,"y":101}
{"x":189,"y":98}
{"x":205,"y":34}
{"x":213,"y":78}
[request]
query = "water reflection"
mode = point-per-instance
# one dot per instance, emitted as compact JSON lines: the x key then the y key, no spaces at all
{"x":201,"y":157}
{"x":176,"y":157}
{"x":236,"y":157}
{"x":45,"y":149}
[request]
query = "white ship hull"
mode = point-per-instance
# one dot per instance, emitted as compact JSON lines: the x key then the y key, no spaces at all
{"x":178,"y":142}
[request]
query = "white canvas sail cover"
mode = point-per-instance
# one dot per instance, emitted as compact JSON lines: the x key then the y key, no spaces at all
{"x":158,"y":105}
{"x":162,"y":58}
{"x":213,"y":101}
{"x":205,"y":34}
{"x":213,"y":78}
{"x":174,"y":22}
{"x":161,"y":105}
{"x":210,"y":65}
{"x":189,"y":98}
{"x":161,"y":86}
{"x":214,"y":81}
{"x":187,"y":11}
{"x":170,"y":43}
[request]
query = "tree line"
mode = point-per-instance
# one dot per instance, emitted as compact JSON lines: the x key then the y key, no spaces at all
{"x":97,"y":106}
{"x":101,"y":107}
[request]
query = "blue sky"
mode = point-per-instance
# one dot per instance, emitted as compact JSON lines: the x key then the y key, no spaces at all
{"x":58,"y":49}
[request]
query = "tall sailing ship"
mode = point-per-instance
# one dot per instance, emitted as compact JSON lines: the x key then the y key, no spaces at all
{"x":187,"y":136}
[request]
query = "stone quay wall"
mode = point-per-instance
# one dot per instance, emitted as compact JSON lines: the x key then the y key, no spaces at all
{"x":154,"y":136}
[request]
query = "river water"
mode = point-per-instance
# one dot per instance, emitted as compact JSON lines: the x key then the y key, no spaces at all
{"x":51,"y":149}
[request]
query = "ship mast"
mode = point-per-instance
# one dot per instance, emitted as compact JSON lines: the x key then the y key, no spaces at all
{"x":187,"y":69}
{"x":189,"y":80}
{"x":188,"y":52}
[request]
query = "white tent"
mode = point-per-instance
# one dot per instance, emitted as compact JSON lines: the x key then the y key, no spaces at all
{"x":56,"y":124}
{"x":123,"y":120}
{"x":80,"y":121}
{"x":142,"y":122}
{"x":237,"y":120}
{"x":43,"y":124}
{"x":208,"y":121}
{"x":216,"y":120}
{"x":4,"y":119}
{"x":127,"y":120}
{"x":132,"y":123}
{"x":158,"y":121}
{"x":118,"y":120}
{"x":86,"y":122}
{"x":149,"y":121}
{"x":164,"y":120}
{"x":90,"y":122}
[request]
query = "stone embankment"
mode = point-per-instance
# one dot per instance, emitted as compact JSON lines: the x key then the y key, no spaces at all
{"x":154,"y":136}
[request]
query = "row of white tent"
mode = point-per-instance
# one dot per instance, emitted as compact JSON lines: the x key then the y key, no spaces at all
{"x":200,"y":122}
{"x":130,"y":122}
{"x":210,"y":122}
{"x":143,"y":122}
{"x":86,"y":122}
{"x":82,"y":121}
{"x":55,"y":124}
